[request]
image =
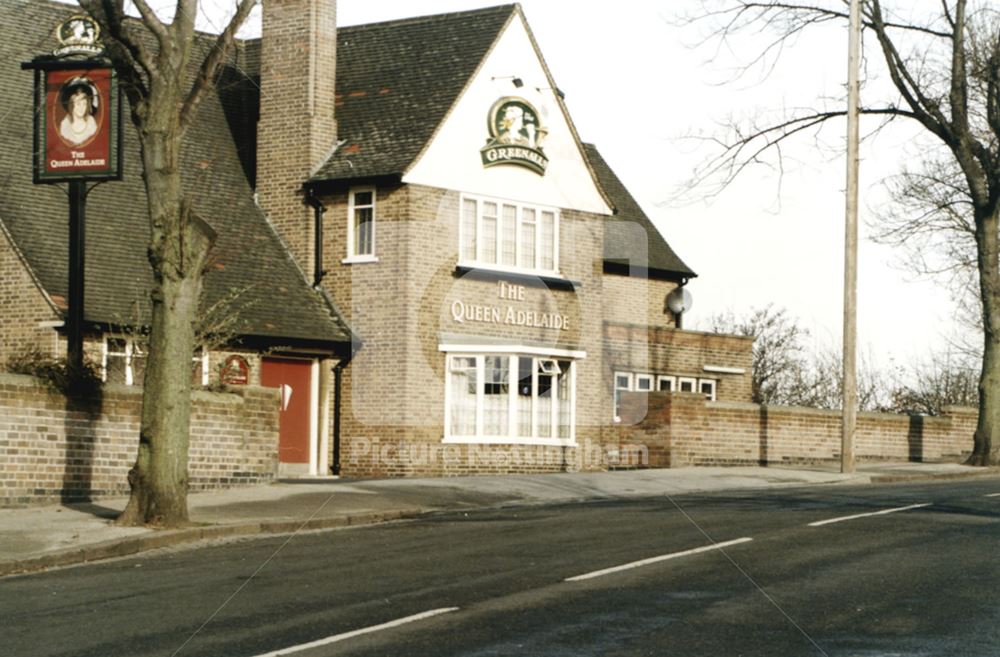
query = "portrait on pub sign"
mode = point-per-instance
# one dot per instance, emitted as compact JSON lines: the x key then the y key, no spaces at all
{"x":78,"y":131}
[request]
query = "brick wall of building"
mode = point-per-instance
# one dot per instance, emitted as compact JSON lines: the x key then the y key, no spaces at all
{"x":297,"y":128}
{"x":22,"y":308}
{"x":401,"y":306}
{"x":635,"y":297}
{"x":684,"y":429}
{"x":669,"y":351}
{"x":52,"y":450}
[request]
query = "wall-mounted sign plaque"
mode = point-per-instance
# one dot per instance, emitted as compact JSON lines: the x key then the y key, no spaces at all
{"x":235,"y":371}
{"x":516,"y":136}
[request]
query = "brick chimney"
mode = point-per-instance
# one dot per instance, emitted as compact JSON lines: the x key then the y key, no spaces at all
{"x":297,"y":127}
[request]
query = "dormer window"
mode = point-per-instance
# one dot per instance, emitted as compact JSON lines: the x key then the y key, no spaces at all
{"x":508,"y":236}
{"x":361,"y":225}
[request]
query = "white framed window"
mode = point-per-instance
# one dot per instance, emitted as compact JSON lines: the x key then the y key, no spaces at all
{"x":199,"y":367}
{"x":687,"y":384}
{"x":623,"y":383}
{"x":666,"y":383}
{"x":510,"y":398}
{"x":361,"y":225}
{"x":644,"y":382}
{"x":508,"y":236}
{"x":707,"y":388}
{"x":123,"y":361}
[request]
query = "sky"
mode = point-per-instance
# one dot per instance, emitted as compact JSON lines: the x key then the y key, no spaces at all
{"x":637,"y":86}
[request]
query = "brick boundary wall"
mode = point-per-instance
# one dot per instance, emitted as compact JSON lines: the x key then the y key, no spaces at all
{"x":52,"y":450}
{"x":683,"y":429}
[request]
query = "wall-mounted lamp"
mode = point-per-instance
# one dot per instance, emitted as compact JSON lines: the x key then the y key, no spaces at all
{"x":516,"y":81}
{"x":559,"y":92}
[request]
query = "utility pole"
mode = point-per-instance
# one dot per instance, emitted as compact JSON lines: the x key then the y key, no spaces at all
{"x":850,"y":394}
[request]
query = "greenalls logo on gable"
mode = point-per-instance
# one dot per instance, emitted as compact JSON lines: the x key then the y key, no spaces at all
{"x":516,"y":136}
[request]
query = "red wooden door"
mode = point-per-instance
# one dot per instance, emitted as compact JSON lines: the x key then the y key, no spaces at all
{"x":294,"y":379}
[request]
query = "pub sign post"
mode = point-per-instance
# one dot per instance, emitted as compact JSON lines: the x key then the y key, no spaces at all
{"x":77,"y":140}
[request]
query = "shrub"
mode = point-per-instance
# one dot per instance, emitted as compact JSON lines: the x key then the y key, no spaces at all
{"x":57,"y":374}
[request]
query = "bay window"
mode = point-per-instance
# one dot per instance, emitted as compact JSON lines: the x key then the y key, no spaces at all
{"x":510,"y":398}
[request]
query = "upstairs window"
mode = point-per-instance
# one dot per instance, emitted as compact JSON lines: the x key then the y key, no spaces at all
{"x":508,"y":236}
{"x":361,"y":225}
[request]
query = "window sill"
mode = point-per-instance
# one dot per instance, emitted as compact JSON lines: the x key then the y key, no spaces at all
{"x":358,"y":260}
{"x":530,"y":279}
{"x":526,"y":442}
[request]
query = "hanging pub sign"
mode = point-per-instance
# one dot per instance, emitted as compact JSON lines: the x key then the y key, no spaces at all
{"x":516,"y":136}
{"x":77,"y":109}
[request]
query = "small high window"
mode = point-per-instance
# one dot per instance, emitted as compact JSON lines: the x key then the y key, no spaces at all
{"x":361,"y":225}
{"x":666,"y":383}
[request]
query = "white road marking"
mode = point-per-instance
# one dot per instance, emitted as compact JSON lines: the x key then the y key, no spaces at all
{"x":993,"y":495}
{"x":865,"y":515}
{"x":365,"y":630}
{"x":664,"y":557}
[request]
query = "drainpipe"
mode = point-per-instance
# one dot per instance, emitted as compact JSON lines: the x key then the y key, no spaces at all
{"x":318,"y":211}
{"x":338,"y":373}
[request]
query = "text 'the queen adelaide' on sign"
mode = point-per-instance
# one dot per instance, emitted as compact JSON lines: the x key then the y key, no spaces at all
{"x":516,"y":136}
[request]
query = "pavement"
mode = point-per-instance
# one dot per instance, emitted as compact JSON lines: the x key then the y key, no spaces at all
{"x":37,"y":538}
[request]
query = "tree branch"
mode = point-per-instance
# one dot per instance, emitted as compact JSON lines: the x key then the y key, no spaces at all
{"x":152,"y":22}
{"x":133,"y":63}
{"x":212,"y":64}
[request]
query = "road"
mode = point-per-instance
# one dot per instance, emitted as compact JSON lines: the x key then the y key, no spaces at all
{"x":848,"y":571}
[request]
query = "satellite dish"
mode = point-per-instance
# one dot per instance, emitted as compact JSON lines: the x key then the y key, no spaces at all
{"x":679,"y":300}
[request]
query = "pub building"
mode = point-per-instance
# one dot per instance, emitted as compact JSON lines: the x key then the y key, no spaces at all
{"x":415,"y":246}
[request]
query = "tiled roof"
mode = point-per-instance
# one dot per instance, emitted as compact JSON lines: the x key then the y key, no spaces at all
{"x":273,"y":301}
{"x":630,"y":238}
{"x":396,"y":82}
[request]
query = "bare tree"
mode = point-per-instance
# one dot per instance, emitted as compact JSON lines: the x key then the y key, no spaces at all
{"x":939,"y":381}
{"x":164,"y":82}
{"x":777,"y":361}
{"x":943,"y":64}
{"x":821,"y":384}
{"x":785,"y":372}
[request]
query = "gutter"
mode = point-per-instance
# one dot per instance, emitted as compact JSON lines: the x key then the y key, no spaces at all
{"x":318,"y":211}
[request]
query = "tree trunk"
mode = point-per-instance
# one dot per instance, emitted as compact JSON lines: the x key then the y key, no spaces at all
{"x":159,"y":478}
{"x":178,"y":249}
{"x":986,"y":449}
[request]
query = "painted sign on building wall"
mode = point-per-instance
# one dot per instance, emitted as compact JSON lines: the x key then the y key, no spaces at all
{"x":508,"y":314}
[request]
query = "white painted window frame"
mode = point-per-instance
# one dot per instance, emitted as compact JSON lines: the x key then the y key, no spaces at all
{"x":644,"y":378}
{"x":629,"y":379}
{"x":353,"y":257}
{"x":663,"y":378}
{"x":203,"y":361}
{"x":712,"y":384}
{"x":480,"y":263}
{"x":511,"y":437}
{"x":129,"y":354}
{"x":681,"y":380}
